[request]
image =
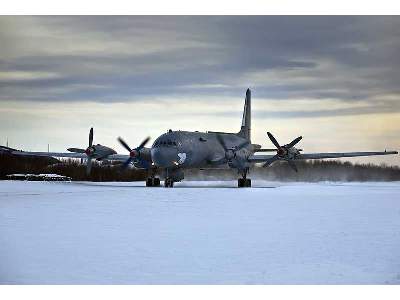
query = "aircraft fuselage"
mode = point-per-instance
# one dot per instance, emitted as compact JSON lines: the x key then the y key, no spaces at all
{"x":185,"y":149}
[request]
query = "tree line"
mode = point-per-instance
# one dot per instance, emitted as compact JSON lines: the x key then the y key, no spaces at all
{"x":310,"y":171}
{"x":12,"y":164}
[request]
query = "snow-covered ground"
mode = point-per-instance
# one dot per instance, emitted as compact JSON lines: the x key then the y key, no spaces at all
{"x":199,"y":233}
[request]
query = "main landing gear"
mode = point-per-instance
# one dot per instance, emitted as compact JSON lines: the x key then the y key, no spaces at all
{"x":153,"y":181}
{"x":244,"y":181}
{"x":173,"y":175}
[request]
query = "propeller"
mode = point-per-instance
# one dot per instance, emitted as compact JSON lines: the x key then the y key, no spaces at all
{"x":134,"y":154}
{"x":230,"y":153}
{"x":282,"y":152}
{"x":89,"y":151}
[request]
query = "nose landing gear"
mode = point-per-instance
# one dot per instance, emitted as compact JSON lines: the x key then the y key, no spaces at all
{"x":173,"y":175}
{"x":168,"y":182}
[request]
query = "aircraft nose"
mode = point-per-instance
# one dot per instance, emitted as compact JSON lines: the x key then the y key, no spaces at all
{"x":164,"y":156}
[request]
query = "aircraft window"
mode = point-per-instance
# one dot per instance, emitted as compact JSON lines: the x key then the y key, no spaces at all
{"x":170,"y":143}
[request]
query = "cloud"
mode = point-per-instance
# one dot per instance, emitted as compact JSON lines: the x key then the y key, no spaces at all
{"x":127,"y":58}
{"x":10,"y":76}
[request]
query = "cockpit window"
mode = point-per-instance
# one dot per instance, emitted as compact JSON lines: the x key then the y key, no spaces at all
{"x":165,"y":143}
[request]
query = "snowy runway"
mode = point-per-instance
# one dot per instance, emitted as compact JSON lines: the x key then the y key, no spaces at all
{"x":199,"y":233}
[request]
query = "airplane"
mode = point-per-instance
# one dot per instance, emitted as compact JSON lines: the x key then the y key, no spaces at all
{"x":175,"y":151}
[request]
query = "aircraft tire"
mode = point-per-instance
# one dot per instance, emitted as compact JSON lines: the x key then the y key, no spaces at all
{"x":244,"y":182}
{"x":247,"y":182}
{"x":240,"y":182}
{"x":151,"y":182}
{"x":168,"y":182}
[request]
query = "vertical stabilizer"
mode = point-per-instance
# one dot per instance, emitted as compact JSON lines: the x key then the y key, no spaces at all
{"x":246,"y":120}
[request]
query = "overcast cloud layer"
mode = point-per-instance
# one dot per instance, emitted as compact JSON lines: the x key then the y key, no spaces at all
{"x":297,"y":67}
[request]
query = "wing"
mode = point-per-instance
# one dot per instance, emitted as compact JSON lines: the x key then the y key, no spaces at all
{"x":118,"y":157}
{"x":342,"y":154}
{"x":259,"y":158}
{"x":263,"y":158}
{"x":49,"y":154}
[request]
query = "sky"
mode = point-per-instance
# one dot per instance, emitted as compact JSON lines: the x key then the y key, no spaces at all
{"x":335,"y":80}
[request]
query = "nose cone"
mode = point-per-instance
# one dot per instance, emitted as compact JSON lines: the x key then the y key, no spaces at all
{"x":164,"y":156}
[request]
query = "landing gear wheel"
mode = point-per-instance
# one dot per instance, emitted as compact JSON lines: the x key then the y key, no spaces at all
{"x":244,"y":182}
{"x":151,"y":181}
{"x":156,"y":182}
{"x":240,"y":182}
{"x":168,"y":182}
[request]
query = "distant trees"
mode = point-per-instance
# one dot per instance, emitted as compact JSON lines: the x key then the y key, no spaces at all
{"x":311,"y":171}
{"x":23,"y":164}
{"x":10,"y":164}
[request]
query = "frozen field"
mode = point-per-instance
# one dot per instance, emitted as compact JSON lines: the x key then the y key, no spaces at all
{"x":199,"y":233}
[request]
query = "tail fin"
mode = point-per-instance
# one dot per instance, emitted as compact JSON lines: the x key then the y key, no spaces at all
{"x":246,"y":120}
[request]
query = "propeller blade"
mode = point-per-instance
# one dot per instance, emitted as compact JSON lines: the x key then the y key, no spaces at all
{"x":91,"y":137}
{"x":270,"y":161}
{"x":273,"y":140}
{"x":122,"y":142}
{"x":126,"y":163}
{"x":293,"y":165}
{"x":143,"y":143}
{"x":294,"y":142}
{"x":221,"y":141}
{"x":76,"y":150}
{"x":88,"y":166}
